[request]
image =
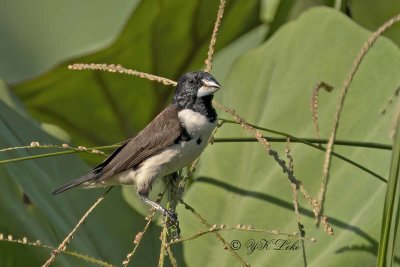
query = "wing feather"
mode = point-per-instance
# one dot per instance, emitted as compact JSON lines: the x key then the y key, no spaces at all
{"x":160,"y":133}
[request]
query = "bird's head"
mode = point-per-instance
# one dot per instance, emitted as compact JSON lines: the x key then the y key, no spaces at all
{"x":194,"y":85}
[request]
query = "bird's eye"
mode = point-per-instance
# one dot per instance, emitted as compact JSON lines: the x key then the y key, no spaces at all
{"x":191,"y":81}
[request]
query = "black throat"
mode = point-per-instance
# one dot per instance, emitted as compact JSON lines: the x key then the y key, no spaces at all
{"x":203,"y":105}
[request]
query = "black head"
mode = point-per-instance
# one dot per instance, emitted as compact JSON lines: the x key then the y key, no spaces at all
{"x":194,"y":85}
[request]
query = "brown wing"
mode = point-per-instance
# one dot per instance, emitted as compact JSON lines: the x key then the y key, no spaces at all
{"x":160,"y":133}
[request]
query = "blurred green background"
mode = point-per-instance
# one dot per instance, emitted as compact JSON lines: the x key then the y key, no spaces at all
{"x":270,"y":54}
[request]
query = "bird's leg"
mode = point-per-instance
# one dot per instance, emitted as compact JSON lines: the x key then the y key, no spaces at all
{"x":171,"y":215}
{"x":172,"y":221}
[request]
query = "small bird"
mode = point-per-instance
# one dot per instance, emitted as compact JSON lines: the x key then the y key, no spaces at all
{"x":172,"y":140}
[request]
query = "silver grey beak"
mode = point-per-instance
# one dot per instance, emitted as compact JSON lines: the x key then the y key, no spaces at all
{"x":210,"y":83}
{"x":210,"y":86}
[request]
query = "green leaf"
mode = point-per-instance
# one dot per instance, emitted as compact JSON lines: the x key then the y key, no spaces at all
{"x":237,"y":183}
{"x":391,"y":211}
{"x":36,"y":35}
{"x":275,"y":13}
{"x":27,"y":208}
{"x":103,"y":108}
{"x":271,"y":87}
{"x":372,"y":14}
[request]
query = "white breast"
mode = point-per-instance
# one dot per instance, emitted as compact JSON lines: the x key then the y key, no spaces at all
{"x":200,"y":129}
{"x":196,"y":123}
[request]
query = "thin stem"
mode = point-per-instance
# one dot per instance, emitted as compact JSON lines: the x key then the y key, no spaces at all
{"x":343,"y":93}
{"x":138,"y":239}
{"x":171,"y":256}
{"x":340,"y":5}
{"x":163,"y":238}
{"x":219,"y":229}
{"x":213,"y":40}
{"x":304,"y":141}
{"x":121,"y":69}
{"x":274,"y":154}
{"x":72,"y":151}
{"x":163,"y":244}
{"x":295,"y":190}
{"x":314,"y":103}
{"x":307,"y":141}
{"x":139,"y":236}
{"x":36,"y":145}
{"x":203,"y":221}
{"x":37,"y":243}
{"x":68,"y":238}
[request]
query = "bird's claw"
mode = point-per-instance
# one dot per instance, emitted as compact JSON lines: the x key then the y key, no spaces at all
{"x":172,"y":222}
{"x":173,"y":218}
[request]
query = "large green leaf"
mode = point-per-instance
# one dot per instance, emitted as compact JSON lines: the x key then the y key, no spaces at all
{"x":276,"y":13}
{"x":27,"y":208}
{"x":271,"y":86}
{"x":238,"y":183}
{"x":165,"y":38}
{"x":37,"y":34}
{"x":372,"y":14}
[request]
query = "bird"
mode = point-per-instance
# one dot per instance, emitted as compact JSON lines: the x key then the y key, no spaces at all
{"x":172,"y":140}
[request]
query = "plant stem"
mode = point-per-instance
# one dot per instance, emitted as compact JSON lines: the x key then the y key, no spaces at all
{"x":319,"y":147}
{"x":305,"y":141}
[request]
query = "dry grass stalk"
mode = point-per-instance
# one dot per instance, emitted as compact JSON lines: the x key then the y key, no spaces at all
{"x":37,"y":243}
{"x":258,"y":135}
{"x":163,"y":238}
{"x":139,"y":236}
{"x":138,"y":239}
{"x":245,"y":228}
{"x":226,"y":244}
{"x":325,"y":224}
{"x":213,"y":40}
{"x":35,"y":144}
{"x":171,"y":256}
{"x":120,"y":69}
{"x":67,"y":239}
{"x":346,"y":85}
{"x":314,"y":104}
{"x":288,"y":155}
{"x":295,"y":190}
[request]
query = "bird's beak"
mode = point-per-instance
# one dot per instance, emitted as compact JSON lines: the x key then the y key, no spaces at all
{"x":210,"y":86}
{"x":209,"y":82}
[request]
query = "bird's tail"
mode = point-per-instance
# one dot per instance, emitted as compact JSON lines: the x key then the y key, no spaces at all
{"x":76,"y":182}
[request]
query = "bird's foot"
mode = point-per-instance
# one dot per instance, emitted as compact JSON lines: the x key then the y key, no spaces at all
{"x":173,"y":218}
{"x":172,"y":221}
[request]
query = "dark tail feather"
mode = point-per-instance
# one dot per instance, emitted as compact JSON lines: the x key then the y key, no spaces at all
{"x":76,"y":182}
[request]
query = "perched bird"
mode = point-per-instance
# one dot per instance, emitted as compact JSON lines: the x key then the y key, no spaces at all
{"x":172,"y":140}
